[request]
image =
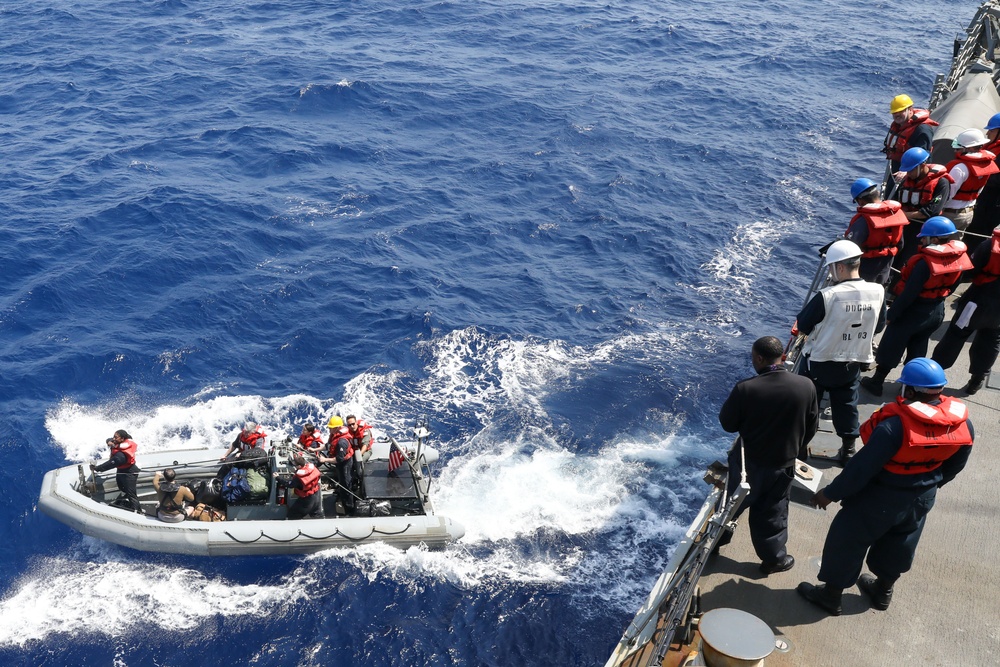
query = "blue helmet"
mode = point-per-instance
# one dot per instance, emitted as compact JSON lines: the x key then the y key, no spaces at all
{"x":994,"y":122}
{"x":937,"y":226}
{"x":913,"y":158}
{"x":861,"y":186}
{"x":923,"y":373}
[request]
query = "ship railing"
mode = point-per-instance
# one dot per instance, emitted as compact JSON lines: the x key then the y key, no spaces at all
{"x":672,"y":609}
{"x":979,"y":43}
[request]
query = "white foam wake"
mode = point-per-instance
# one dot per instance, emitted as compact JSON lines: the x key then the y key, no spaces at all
{"x":535,"y":511}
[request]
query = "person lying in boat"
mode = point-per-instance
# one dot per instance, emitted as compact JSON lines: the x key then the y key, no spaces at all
{"x":251,"y":436}
{"x":123,"y":449}
{"x":172,"y":497}
{"x":305,"y":484}
{"x":310,"y":439}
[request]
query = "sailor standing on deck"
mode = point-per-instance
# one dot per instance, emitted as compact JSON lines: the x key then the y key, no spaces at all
{"x":841,"y":321}
{"x":912,"y":446}
{"x":918,"y":309}
{"x":971,"y":169}
{"x":986,"y":216}
{"x":923,"y":193}
{"x":978,"y":312}
{"x":911,"y":128}
{"x":877,"y":228}
{"x":776,"y":416}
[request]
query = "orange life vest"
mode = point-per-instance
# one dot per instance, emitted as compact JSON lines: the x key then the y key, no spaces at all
{"x":917,"y":193}
{"x":991,"y":271}
{"x":931,"y":433}
{"x":126,"y":447}
{"x":310,"y":440}
{"x":362,"y":429}
{"x":309,"y":476}
{"x":248,"y":441}
{"x":981,"y":166}
{"x":335,"y":437}
{"x":897,"y":141}
{"x":885,"y":221}
{"x":946,"y":263}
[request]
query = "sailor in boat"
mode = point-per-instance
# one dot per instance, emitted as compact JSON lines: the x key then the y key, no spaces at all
{"x":986,"y":215}
{"x":913,"y":445}
{"x":361,"y":438}
{"x":923,"y":193}
{"x":918,"y":308}
{"x":123,"y":449}
{"x":841,"y":321}
{"x":910,"y":128}
{"x":172,"y":497}
{"x":310,"y":439}
{"x":970,"y":170}
{"x":877,"y":227}
{"x":251,"y":436}
{"x":776,"y":416}
{"x":340,"y":454}
{"x":305,"y":485}
{"x":978,"y":312}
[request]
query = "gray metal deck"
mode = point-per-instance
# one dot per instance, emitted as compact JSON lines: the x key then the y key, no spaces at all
{"x":945,"y":611}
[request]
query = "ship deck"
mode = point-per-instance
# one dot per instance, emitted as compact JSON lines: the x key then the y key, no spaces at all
{"x":945,"y":611}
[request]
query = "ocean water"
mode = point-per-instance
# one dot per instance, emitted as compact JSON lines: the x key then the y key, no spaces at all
{"x":553,"y":229}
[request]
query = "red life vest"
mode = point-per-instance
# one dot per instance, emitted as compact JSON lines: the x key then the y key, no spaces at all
{"x":898,"y":138}
{"x":361,"y":430}
{"x":251,"y":440}
{"x":885,"y":220}
{"x":309,"y":476}
{"x":994,"y":147}
{"x":310,"y":440}
{"x":126,"y":447}
{"x":335,"y":437}
{"x":931,"y":433}
{"x":946,"y":262}
{"x":915,"y":194}
{"x":991,"y":271}
{"x":981,"y":166}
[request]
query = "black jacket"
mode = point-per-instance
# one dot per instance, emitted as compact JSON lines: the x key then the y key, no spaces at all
{"x":776,"y":414}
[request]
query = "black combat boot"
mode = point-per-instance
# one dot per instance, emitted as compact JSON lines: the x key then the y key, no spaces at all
{"x":825,"y":596}
{"x":976,"y":382}
{"x":847,"y":449}
{"x":875,"y":382}
{"x":878,"y":590}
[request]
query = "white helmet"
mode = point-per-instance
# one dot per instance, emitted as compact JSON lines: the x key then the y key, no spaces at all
{"x":970,"y":139}
{"x":841,"y":250}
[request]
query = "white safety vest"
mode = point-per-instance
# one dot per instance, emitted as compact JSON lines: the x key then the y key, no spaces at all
{"x":847,"y":329}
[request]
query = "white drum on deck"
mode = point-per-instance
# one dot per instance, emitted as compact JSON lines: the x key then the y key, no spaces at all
{"x":734,"y":638}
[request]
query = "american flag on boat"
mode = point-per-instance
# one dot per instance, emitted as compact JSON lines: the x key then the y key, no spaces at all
{"x":396,"y":457}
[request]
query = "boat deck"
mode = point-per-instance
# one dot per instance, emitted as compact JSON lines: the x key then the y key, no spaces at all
{"x":945,"y":611}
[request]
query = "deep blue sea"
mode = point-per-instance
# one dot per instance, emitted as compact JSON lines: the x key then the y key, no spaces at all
{"x":553,"y":229}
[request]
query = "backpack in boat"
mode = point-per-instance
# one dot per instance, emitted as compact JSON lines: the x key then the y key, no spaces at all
{"x":258,"y":485}
{"x":235,"y":486}
{"x":208,"y":492}
{"x":203,"y":512}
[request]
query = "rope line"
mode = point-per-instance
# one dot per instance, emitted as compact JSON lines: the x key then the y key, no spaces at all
{"x":336,"y":532}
